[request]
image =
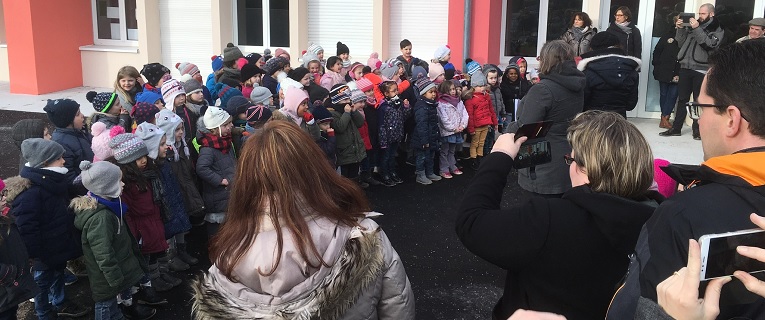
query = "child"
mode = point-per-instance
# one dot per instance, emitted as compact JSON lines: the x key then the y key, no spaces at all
{"x":39,"y":203}
{"x":256,"y":117}
{"x":391,"y":116}
{"x":407,"y":59}
{"x":425,"y":136}
{"x":112,"y":257}
{"x":28,"y":128}
{"x":481,"y":115}
{"x":70,"y":133}
{"x":513,"y":88}
{"x":274,"y":69}
{"x":237,"y":106}
{"x":142,"y":195}
{"x":251,"y":76}
{"x":317,"y":50}
{"x":216,"y":165}
{"x":126,"y":86}
{"x":436,"y":73}
{"x":453,"y":119}
{"x":344,"y":53}
{"x":313,"y":64}
{"x":262,"y":96}
{"x":100,"y":142}
{"x":14,"y":264}
{"x":328,"y":142}
{"x":374,"y":63}
{"x":190,"y":69}
{"x":522,"y":66}
{"x":371,"y":145}
{"x":144,"y":112}
{"x":191,"y":111}
{"x":492,"y":79}
{"x":392,"y":70}
{"x":230,"y":55}
{"x":332,"y":75}
{"x":296,"y":108}
{"x":176,"y":219}
{"x":156,"y":74}
{"x":216,"y":62}
{"x":442,"y":55}
{"x":150,"y":97}
{"x":174,"y":95}
{"x":109,"y":110}
{"x":355,"y":72}
{"x":347,"y":121}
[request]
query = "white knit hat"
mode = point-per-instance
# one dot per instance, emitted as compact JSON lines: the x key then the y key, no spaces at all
{"x":151,"y":136}
{"x":215,"y":117}
{"x":170,"y":89}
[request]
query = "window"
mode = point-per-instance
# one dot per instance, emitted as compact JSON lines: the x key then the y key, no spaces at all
{"x":525,"y":20}
{"x":114,"y":22}
{"x":262,"y":23}
{"x":734,"y":16}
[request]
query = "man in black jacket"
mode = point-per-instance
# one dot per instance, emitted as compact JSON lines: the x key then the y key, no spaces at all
{"x":731,"y":185}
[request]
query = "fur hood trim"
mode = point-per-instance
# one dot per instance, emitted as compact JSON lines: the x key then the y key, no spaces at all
{"x":583,"y":63}
{"x":357,"y":267}
{"x":83,"y":203}
{"x":15,"y":186}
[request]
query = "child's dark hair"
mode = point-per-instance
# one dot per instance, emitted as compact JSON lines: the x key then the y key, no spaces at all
{"x":366,"y":70}
{"x":404,"y":43}
{"x":386,"y":86}
{"x":445,"y":87}
{"x":331,"y":61}
{"x":132,"y":174}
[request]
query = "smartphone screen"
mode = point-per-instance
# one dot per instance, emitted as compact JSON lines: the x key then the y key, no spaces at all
{"x":532,"y":154}
{"x":719,"y":256}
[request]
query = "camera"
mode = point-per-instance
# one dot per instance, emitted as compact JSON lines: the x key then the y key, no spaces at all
{"x":686,"y":18}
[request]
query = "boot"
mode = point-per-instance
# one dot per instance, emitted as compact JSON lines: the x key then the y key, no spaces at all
{"x":164,"y":272}
{"x":421,"y":178}
{"x":137,"y":311}
{"x":159,"y":284}
{"x":476,"y":163}
{"x":366,"y":176}
{"x":433,"y":177}
{"x":175,"y":264}
{"x":665,"y":123}
{"x":180,"y":251}
{"x":148,"y":296}
{"x":670,"y":133}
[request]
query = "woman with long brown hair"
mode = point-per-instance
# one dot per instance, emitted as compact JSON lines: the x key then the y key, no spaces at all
{"x":297,"y":242}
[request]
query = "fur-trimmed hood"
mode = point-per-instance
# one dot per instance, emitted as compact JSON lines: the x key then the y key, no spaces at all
{"x":14,"y":186}
{"x":607,"y":55}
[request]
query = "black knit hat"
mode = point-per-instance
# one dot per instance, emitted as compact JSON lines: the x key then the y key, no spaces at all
{"x":250,"y":70}
{"x":342,"y":48}
{"x":317,"y":93}
{"x":61,"y":111}
{"x":321,"y":114}
{"x":298,"y":73}
{"x":153,"y":72}
{"x":253,"y":58}
{"x":103,"y":101}
{"x":237,"y":105}
{"x":603,"y":40}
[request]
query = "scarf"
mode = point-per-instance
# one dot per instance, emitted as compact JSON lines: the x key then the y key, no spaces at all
{"x":157,"y":192}
{"x":195,"y":108}
{"x":216,"y":142}
{"x":625,"y":26}
{"x":450,"y":99}
{"x":60,"y":170}
{"x":579,"y":32}
{"x":117,"y":207}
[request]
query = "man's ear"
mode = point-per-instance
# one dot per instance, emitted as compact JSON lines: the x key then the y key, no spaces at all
{"x":734,"y":122}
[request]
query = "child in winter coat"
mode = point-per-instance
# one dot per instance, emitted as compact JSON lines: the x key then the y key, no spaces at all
{"x":481,"y":116}
{"x":156,"y":74}
{"x":347,"y":121}
{"x":328,"y":142}
{"x":368,"y":131}
{"x":296,"y":108}
{"x":344,"y":53}
{"x":127,"y":86}
{"x":332,"y":74}
{"x":39,"y":202}
{"x":391,"y":115}
{"x":256,"y":117}
{"x":355,"y":72}
{"x":29,"y":128}
{"x":513,"y":88}
{"x":174,"y":94}
{"x":70,"y":133}
{"x":109,"y":110}
{"x":191,"y":111}
{"x":251,"y":76}
{"x":407,"y":59}
{"x":425,"y":136}
{"x":216,"y":165}
{"x":442,"y":55}
{"x":112,"y":256}
{"x":143,"y":196}
{"x":492,"y":74}
{"x":144,"y":112}
{"x":453,"y":119}
{"x":18,"y":284}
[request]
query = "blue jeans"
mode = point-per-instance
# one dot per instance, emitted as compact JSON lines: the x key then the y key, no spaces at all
{"x":51,"y":296}
{"x":489,"y":142}
{"x":667,"y":97}
{"x":108,"y":310}
{"x":388,"y":161}
{"x":424,"y":161}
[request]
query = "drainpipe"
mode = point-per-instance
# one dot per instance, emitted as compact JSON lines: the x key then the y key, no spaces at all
{"x":466,"y":33}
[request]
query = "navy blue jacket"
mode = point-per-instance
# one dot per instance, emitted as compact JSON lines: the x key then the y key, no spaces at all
{"x":612,"y":80}
{"x":177,"y":220}
{"x":16,"y":282}
{"x":76,"y":145}
{"x":425,"y":124}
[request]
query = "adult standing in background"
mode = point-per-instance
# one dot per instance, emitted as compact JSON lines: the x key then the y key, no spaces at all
{"x":629,"y":35}
{"x":580,"y":34}
{"x":666,"y":70}
{"x":756,"y":30}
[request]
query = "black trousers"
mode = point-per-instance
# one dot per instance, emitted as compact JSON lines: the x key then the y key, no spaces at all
{"x":690,"y":82}
{"x":351,"y":170}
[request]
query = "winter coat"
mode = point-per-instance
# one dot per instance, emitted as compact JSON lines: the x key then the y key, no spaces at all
{"x":190,"y":119}
{"x":631,"y":43}
{"x":562,"y":255}
{"x":144,"y":218}
{"x":372,"y":121}
{"x":391,"y":116}
{"x":183,"y":169}
{"x":123,"y":120}
{"x":110,"y":252}
{"x":76,"y":145}
{"x":40,"y":203}
{"x":582,"y":45}
{"x":451,"y":117}
{"x":328,"y":144}
{"x":177,"y":219}
{"x":665,"y":65}
{"x":559,"y":97}
{"x":271,"y":83}
{"x":350,"y":144}
{"x":212,"y":167}
{"x":330,"y":79}
{"x":411,"y":63}
{"x":497,"y":101}
{"x":728,"y":189}
{"x":480,"y":111}
{"x":612,"y":80}
{"x":512,"y":91}
{"x":233,"y":74}
{"x":696,"y":45}
{"x":365,"y":280}
{"x":17,"y":284}
{"x":426,"y":129}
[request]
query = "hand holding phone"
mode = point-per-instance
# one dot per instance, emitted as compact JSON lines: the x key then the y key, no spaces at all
{"x":719,"y":257}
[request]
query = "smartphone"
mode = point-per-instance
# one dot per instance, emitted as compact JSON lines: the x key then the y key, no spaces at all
{"x":534,"y":130}
{"x":533,"y":154}
{"x":686,"y":17}
{"x":719,"y":257}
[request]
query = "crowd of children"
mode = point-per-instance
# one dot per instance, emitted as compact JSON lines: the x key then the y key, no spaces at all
{"x":174,"y":143}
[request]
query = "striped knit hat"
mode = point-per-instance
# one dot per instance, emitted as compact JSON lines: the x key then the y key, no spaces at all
{"x":187,"y":68}
{"x":364,"y":84}
{"x":170,"y":89}
{"x":315,"y":48}
{"x":128,"y":148}
{"x":103,"y":101}
{"x":338,"y":93}
{"x":358,"y":96}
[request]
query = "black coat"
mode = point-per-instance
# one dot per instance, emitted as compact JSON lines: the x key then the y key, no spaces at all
{"x":513,"y":90}
{"x":630,"y":42}
{"x":76,"y":145}
{"x":561,"y":255}
{"x":17,"y":284}
{"x":665,"y":64}
{"x":612,"y":80}
{"x":425,"y":124}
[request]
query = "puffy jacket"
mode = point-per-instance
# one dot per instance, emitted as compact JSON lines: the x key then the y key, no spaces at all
{"x":365,"y":280}
{"x":76,"y":145}
{"x":349,"y":143}
{"x":426,"y":129}
{"x":111,"y":253}
{"x":144,"y":218}
{"x":451,"y":117}
{"x":631,"y":43}
{"x":497,"y":101}
{"x":697,"y":44}
{"x":391,"y":116}
{"x":612,"y":80}
{"x":17,"y":285}
{"x":123,"y":120}
{"x":582,"y":45}
{"x":665,"y":65}
{"x":330,"y":79}
{"x":480,"y":111}
{"x":40,"y":203}
{"x":177,"y":220}
{"x":183,"y":169}
{"x":372,"y":120}
{"x":212,"y":167}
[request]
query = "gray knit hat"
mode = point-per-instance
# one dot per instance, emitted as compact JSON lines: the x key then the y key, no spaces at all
{"x":261,"y":95}
{"x":231,"y":53}
{"x":128,"y":148}
{"x":38,"y":152}
{"x":192,"y":86}
{"x":477,"y":79}
{"x":151,"y":136}
{"x":101,"y":178}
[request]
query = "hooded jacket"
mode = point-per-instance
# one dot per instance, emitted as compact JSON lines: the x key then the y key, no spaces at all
{"x":480,"y":111}
{"x":17,"y":284}
{"x":451,"y":116}
{"x":512,"y":90}
{"x":77,"y":148}
{"x":365,"y":280}
{"x":612,"y":80}
{"x":729,"y":189}
{"x":391,"y":116}
{"x":110,"y":251}
{"x":631,"y":43}
{"x":561,"y":255}
{"x":559,"y":97}
{"x":330,"y":79}
{"x":665,"y":65}
{"x":582,"y":45}
{"x":212,"y":167}
{"x":349,"y":143}
{"x":696,"y":45}
{"x":426,"y":130}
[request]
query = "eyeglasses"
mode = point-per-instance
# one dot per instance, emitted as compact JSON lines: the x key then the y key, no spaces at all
{"x":694,"y":109}
{"x":618,"y":15}
{"x":569,"y":160}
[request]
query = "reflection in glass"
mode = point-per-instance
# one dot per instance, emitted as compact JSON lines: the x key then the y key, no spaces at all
{"x":560,"y":15}
{"x":250,"y":22}
{"x":279,"y":11}
{"x":662,"y":24}
{"x":734,"y":16}
{"x":522,"y":28}
{"x":108,"y":19}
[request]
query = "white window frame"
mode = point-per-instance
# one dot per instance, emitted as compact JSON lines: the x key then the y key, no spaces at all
{"x":266,"y":30}
{"x":123,"y":28}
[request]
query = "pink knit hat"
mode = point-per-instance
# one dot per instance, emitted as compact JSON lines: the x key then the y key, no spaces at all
{"x":374,"y":61}
{"x":364,"y":84}
{"x":100,"y":142}
{"x":667,"y":185}
{"x":280,"y":51}
{"x":187,"y":68}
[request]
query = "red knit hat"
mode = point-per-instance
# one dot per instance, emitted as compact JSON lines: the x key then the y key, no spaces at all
{"x":364,"y":84}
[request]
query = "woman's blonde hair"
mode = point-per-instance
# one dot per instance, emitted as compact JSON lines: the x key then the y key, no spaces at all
{"x":126,"y":72}
{"x":553,"y":54}
{"x":613,"y":152}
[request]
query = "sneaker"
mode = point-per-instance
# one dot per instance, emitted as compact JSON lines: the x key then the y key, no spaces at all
{"x":457,"y":172}
{"x":388,"y":182}
{"x":137,"y":312}
{"x":446,"y":175}
{"x":422,"y":179}
{"x":148,"y":296}
{"x":670,"y":133}
{"x":69,"y":278}
{"x":73,"y":310}
{"x":396,"y":179}
{"x":433,"y":177}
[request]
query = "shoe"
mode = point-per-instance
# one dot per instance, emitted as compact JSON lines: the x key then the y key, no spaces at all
{"x":174,"y":263}
{"x":476,"y":163}
{"x":396,"y":179}
{"x":446,"y":175}
{"x":388,"y":182}
{"x":69,"y":278}
{"x":180,"y":252}
{"x":696,"y":136}
{"x":137,"y":312}
{"x":457,"y":172}
{"x":670,"y":133}
{"x":160,"y":285}
{"x":664,"y":123}
{"x":77,"y":267}
{"x":173,"y":281}
{"x":148,"y":296}
{"x":433,"y":177}
{"x":422,"y":179}
{"x":73,"y":310}
{"x":197,"y":221}
{"x":367,"y":177}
